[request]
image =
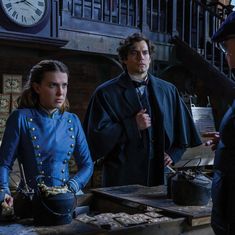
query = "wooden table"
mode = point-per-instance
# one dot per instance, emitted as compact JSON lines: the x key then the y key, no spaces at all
{"x":130,"y":200}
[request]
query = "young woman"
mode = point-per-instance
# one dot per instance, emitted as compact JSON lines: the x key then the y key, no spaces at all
{"x":43,"y":136}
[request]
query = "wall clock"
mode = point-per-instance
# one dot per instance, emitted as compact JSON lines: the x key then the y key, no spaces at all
{"x":24,"y":14}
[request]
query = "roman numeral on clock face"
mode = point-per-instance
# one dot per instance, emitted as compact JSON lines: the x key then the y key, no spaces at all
{"x":15,"y":15}
{"x":40,"y":3}
{"x":23,"y":19}
{"x":8,"y":6}
{"x":38,"y":12}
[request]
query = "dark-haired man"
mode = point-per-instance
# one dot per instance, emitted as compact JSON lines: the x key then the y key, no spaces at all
{"x":136,"y":122}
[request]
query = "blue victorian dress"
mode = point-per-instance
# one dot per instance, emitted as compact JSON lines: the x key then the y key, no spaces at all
{"x":43,"y":144}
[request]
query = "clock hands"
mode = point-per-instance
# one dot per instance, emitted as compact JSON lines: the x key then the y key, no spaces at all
{"x":25,"y":2}
{"x":29,"y":4}
{"x":18,"y":2}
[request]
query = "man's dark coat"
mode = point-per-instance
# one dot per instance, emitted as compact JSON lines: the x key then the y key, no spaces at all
{"x":223,"y":184}
{"x":112,"y":131}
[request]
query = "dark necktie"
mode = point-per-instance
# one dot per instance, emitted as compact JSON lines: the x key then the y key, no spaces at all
{"x":139,"y":84}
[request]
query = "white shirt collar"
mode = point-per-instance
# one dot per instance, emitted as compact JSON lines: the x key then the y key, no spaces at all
{"x":136,"y":78}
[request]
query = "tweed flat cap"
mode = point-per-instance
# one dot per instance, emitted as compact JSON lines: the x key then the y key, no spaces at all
{"x":226,"y":30}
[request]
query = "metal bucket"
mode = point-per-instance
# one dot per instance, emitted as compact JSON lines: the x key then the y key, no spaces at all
{"x":53,"y":209}
{"x":190,"y":189}
{"x":53,"y":205}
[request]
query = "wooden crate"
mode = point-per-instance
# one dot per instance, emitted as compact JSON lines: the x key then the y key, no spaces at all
{"x":4,"y":103}
{"x":3,"y":120}
{"x":12,"y":83}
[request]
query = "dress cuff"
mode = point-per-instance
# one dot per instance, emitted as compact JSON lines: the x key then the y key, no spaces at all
{"x":73,"y":185}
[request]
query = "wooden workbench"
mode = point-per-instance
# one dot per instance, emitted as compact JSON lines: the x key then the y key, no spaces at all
{"x":124,"y":202}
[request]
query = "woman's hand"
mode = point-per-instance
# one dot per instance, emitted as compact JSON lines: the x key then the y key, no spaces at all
{"x":8,"y":201}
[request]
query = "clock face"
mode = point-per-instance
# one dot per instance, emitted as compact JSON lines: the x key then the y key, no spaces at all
{"x":24,"y":12}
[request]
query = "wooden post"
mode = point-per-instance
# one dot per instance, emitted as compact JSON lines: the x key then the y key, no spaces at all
{"x":144,"y":26}
{"x":174,"y":18}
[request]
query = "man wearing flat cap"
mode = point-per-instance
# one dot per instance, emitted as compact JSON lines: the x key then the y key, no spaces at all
{"x":223,"y":186}
{"x":225,"y":37}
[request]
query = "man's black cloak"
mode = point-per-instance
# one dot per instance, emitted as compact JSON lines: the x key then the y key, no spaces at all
{"x":113,"y":135}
